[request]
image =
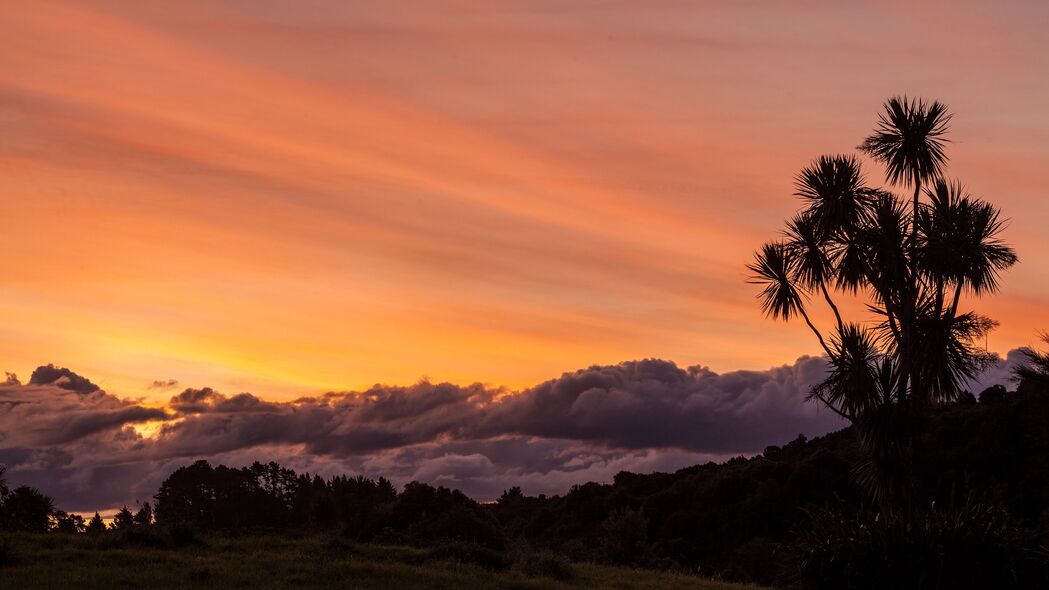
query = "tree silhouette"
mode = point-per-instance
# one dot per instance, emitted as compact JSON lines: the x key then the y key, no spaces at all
{"x":123,"y":520}
{"x":910,"y":263}
{"x":144,"y":516}
{"x":1032,"y":375}
{"x":96,"y":524}
{"x":26,"y":509}
{"x":63,"y":522}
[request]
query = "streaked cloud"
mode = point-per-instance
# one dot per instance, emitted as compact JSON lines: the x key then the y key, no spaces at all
{"x":280,"y":198}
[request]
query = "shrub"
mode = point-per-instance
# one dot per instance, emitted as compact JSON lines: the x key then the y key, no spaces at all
{"x":457,"y":524}
{"x":625,"y":539}
{"x":543,"y":564}
{"x":972,"y":546}
{"x":469,"y":554}
{"x":388,"y":536}
{"x":753,"y":561}
{"x":181,"y":535}
{"x":993,"y":394}
{"x":7,"y":552}
{"x":144,"y":537}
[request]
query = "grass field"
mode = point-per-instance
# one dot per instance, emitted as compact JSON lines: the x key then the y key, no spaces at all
{"x":105,"y":562}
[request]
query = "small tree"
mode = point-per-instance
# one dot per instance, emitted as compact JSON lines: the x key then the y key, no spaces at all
{"x":123,"y":520}
{"x":625,"y":537}
{"x":910,"y":263}
{"x":26,"y":509}
{"x":144,"y":516}
{"x":63,"y":522}
{"x":96,"y":524}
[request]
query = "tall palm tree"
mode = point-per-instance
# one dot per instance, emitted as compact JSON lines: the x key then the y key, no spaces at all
{"x":909,"y":141}
{"x":911,"y":262}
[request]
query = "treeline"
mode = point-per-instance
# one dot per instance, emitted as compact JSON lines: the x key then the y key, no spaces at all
{"x":268,"y":497}
{"x":738,"y":520}
{"x":26,"y":509}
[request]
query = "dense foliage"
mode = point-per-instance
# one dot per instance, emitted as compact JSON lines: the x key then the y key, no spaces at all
{"x":271,"y":497}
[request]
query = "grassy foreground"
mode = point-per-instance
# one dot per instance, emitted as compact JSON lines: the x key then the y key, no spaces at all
{"x":84,"y":562}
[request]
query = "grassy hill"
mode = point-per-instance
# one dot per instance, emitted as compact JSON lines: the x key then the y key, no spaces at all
{"x":109,"y":561}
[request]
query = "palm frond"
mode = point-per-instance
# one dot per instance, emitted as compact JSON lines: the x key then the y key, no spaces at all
{"x":1035,"y":369}
{"x":832,"y":186}
{"x":886,"y":436}
{"x":773,"y":269}
{"x":946,"y":352}
{"x":909,"y":140}
{"x":852,"y":386}
{"x":959,"y":239}
{"x":986,"y":256}
{"x":883,"y":235}
{"x":807,"y":245}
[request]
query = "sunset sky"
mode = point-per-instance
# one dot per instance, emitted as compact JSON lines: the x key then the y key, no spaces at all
{"x":290,"y":198}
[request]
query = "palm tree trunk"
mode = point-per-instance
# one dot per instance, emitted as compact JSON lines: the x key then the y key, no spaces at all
{"x":957,"y":296}
{"x":837,"y":315}
{"x":819,"y":336}
{"x":939,"y":295}
{"x":912,"y":299}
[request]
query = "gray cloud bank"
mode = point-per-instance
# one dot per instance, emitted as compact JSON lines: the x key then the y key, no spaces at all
{"x":78,"y":443}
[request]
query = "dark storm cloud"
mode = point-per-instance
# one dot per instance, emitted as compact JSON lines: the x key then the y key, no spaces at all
{"x":45,"y":415}
{"x":198,"y":401}
{"x":655,"y":404}
{"x":82,"y":446}
{"x":633,"y":405}
{"x":62,"y":377}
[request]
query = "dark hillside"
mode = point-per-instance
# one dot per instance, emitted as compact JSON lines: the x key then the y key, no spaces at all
{"x":732,"y":518}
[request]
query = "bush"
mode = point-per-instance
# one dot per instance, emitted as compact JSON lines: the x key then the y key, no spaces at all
{"x":7,"y":552}
{"x":974,"y":546}
{"x":543,"y":564}
{"x":458,"y":524}
{"x":753,"y":561}
{"x":625,"y":539}
{"x":469,"y":554}
{"x":993,"y":394}
{"x":388,"y":536}
{"x":143,"y":537}
{"x":175,"y":536}
{"x":181,"y":535}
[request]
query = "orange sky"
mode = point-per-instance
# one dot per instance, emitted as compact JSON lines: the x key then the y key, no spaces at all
{"x":289,"y":198}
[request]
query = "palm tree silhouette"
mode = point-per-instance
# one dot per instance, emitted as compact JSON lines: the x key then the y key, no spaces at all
{"x":911,"y":264}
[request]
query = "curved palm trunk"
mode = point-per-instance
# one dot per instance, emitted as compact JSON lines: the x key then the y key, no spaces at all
{"x":837,"y":314}
{"x":912,"y":300}
{"x":819,"y":336}
{"x":826,"y":349}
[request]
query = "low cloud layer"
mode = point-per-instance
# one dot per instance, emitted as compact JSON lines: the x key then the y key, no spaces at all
{"x":93,"y":450}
